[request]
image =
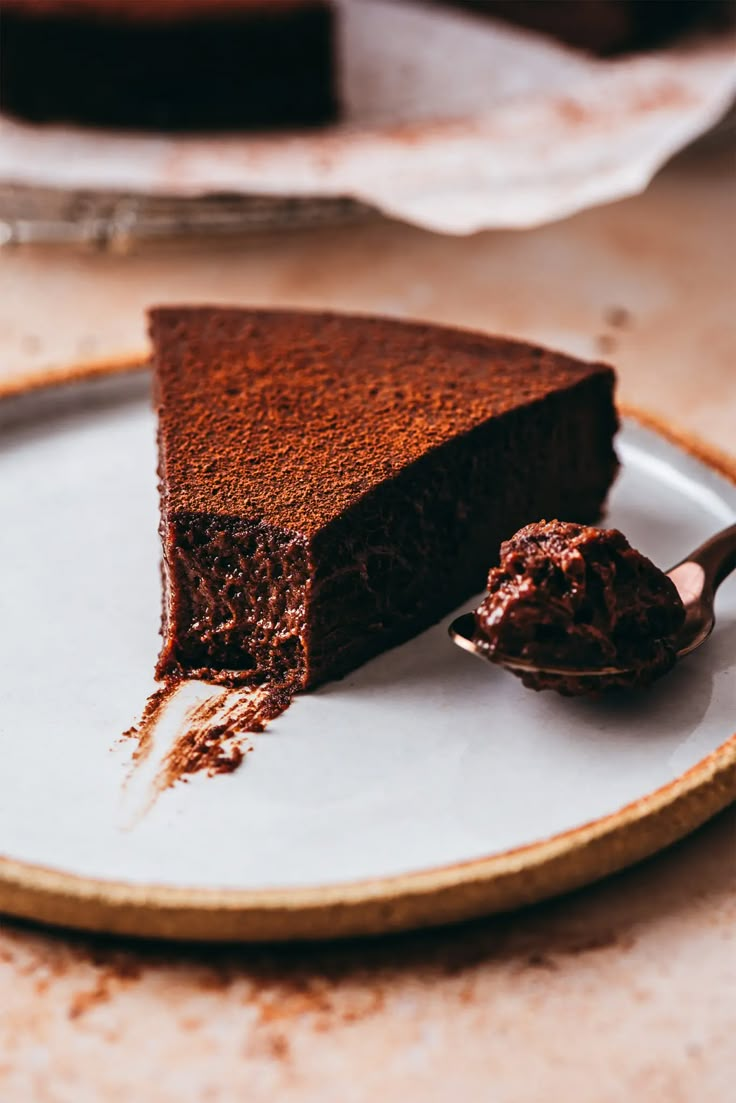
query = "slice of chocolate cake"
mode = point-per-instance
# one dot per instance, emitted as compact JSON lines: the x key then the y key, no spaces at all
{"x":169,"y":64}
{"x":331,"y":485}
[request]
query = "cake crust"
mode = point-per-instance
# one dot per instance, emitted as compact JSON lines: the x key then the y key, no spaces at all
{"x":365,"y":398}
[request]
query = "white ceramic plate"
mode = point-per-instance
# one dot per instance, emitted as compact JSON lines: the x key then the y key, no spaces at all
{"x":425,"y":786}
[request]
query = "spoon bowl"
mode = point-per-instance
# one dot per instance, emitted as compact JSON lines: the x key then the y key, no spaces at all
{"x":696,"y":578}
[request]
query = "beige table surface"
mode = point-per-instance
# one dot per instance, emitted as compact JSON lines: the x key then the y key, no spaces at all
{"x":624,"y":991}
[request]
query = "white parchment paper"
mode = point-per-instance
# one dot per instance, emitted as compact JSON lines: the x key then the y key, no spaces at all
{"x":451,"y":121}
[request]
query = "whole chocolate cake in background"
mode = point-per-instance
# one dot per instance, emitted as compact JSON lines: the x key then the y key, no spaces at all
{"x":169,"y":64}
{"x":608,"y":27}
{"x":189,"y":65}
{"x":332,"y":485}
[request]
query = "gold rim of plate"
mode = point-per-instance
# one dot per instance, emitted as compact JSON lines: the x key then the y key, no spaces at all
{"x":446,"y":894}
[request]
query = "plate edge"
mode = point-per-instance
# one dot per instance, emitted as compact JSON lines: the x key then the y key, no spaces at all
{"x":426,"y":899}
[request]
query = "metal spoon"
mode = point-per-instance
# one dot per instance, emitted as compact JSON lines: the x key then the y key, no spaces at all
{"x":697,"y":577}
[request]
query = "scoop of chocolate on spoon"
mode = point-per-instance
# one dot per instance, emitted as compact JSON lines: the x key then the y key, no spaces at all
{"x":696,"y":579}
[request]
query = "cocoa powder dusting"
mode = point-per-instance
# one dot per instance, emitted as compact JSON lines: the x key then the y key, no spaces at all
{"x":152,"y":710}
{"x":210,"y":736}
{"x":212,"y":727}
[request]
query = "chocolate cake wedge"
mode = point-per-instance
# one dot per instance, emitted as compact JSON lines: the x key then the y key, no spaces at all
{"x":332,"y":485}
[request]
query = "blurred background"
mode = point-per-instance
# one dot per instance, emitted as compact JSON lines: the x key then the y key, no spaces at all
{"x":486,"y":164}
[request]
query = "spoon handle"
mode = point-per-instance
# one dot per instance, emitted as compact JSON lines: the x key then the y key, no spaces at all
{"x":717,"y":557}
